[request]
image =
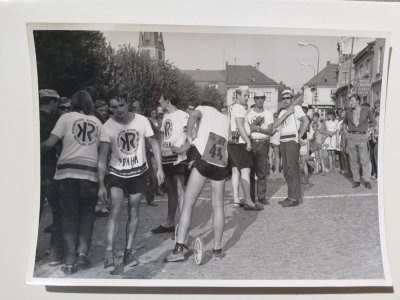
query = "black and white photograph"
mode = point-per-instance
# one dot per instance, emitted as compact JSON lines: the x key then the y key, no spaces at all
{"x":192,"y":156}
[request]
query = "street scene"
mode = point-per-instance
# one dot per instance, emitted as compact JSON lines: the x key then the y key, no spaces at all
{"x":171,"y":155}
{"x":334,"y":234}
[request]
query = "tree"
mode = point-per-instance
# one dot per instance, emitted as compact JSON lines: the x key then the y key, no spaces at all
{"x":68,"y":61}
{"x":211,"y":94}
{"x":139,"y":78}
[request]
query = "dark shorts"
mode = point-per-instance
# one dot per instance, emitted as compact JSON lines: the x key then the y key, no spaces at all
{"x":239,"y":157}
{"x":179,"y":169}
{"x":208,"y":170}
{"x":133,"y":185}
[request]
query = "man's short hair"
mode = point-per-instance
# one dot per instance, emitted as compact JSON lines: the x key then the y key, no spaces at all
{"x":316,"y":114}
{"x":330,"y":112}
{"x":171,"y":95}
{"x":357,"y":97}
{"x":241,"y":89}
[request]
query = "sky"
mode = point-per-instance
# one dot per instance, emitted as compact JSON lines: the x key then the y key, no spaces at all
{"x":279,"y":55}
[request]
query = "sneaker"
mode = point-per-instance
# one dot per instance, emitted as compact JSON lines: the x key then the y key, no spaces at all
{"x":54,"y":263}
{"x":217,"y":254}
{"x":162,"y":229}
{"x":69,"y":269}
{"x":176,"y":254}
{"x":109,"y":259}
{"x":129,"y":258}
{"x":83,"y":262}
{"x":283,"y":201}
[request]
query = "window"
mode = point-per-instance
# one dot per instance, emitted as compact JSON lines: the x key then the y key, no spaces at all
{"x":268,"y":96}
{"x":251,"y":95}
{"x":214,"y":85}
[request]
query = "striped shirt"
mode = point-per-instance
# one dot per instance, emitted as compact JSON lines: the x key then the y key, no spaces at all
{"x":80,"y":137}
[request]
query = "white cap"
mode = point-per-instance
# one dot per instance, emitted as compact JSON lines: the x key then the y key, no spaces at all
{"x":287,"y":92}
{"x":243,"y":88}
{"x":259,"y":94}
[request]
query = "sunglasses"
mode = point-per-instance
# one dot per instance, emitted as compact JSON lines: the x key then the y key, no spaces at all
{"x":63,"y":107}
{"x":286,"y":98}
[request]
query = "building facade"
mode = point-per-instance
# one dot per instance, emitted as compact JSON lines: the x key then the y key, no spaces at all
{"x":319,"y":91}
{"x":152,"y":44}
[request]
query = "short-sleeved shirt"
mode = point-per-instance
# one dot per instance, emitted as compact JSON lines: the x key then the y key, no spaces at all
{"x":289,"y":129}
{"x":262,"y":120}
{"x":238,"y":111}
{"x":48,"y":160}
{"x":366,"y":116}
{"x":80,"y":137}
{"x":173,"y":130}
{"x":212,"y":136}
{"x":127,"y":141}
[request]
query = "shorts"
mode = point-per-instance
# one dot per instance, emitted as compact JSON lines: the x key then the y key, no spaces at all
{"x":239,"y":157}
{"x":208,"y":170}
{"x":179,"y":169}
{"x":316,"y":147}
{"x":133,"y":185}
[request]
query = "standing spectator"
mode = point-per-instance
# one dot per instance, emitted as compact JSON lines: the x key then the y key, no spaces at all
{"x":101,"y":110}
{"x":274,"y":152}
{"x":124,"y":133}
{"x":77,"y":178}
{"x":293,"y":124}
{"x":48,"y":102}
{"x":316,"y":146}
{"x":260,"y":120}
{"x":240,"y":149}
{"x":375,"y":137}
{"x":331,"y":139}
{"x":173,"y":135}
{"x":356,"y":123}
{"x":64,"y":106}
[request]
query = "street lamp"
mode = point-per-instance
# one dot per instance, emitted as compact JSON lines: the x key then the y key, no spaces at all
{"x":313,"y":101}
{"x":312,"y":45}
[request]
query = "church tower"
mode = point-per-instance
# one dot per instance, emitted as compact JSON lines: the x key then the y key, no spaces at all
{"x":152,"y":44}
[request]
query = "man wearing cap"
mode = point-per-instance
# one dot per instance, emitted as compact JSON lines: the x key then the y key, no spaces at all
{"x":292,"y":123}
{"x":356,"y":125}
{"x":239,"y":149}
{"x":260,"y":120}
{"x":48,"y":103}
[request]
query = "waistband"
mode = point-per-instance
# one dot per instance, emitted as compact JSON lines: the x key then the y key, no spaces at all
{"x":357,"y":132}
{"x":260,"y":140}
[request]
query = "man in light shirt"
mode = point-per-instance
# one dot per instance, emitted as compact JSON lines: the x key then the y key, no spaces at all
{"x":260,"y":120}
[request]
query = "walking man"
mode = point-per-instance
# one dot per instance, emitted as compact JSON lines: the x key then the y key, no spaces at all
{"x":260,"y":120}
{"x":124,"y":133}
{"x":293,"y":124}
{"x":357,"y":122}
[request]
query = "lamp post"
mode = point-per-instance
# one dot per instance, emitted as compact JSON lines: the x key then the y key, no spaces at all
{"x":316,"y":84}
{"x":308,"y":65}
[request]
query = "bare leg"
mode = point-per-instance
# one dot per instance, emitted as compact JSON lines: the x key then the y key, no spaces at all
{"x":245,"y":180}
{"x":235,"y":179}
{"x":170,"y":185}
{"x":193,"y":189}
{"x":133,"y":219}
{"x":117,"y":198}
{"x":218,"y":188}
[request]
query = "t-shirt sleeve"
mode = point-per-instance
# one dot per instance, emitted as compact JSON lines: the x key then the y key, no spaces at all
{"x":60,"y":128}
{"x":148,"y":131}
{"x":105,"y":135}
{"x":238,"y":111}
{"x":269,"y":118}
{"x":298,"y":112}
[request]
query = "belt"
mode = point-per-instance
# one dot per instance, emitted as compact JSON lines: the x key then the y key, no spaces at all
{"x":259,"y":140}
{"x":357,"y":132}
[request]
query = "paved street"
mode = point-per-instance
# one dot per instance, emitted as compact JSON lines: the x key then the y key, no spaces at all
{"x":334,"y":234}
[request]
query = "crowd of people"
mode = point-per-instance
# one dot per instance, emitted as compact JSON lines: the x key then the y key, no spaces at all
{"x":95,"y":155}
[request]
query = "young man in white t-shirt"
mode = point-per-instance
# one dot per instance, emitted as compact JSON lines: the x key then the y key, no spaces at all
{"x":124,"y":134}
{"x":173,"y":136}
{"x":292,"y":125}
{"x":210,"y":161}
{"x":239,"y":148}
{"x":260,"y":120}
